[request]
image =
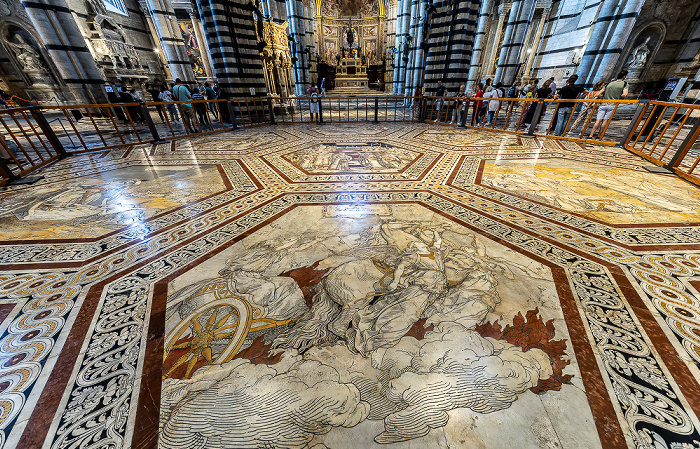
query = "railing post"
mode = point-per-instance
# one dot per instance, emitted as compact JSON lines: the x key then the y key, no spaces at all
{"x":685,"y":146}
{"x":422,"y":108}
{"x":151,"y":125}
{"x":320,"y":112}
{"x":11,"y":177}
{"x":641,"y":108}
{"x":535,"y":119}
{"x":376,"y":110}
{"x":48,"y":131}
{"x":272,"y":112}
{"x":463,"y":121}
{"x":232,"y":114}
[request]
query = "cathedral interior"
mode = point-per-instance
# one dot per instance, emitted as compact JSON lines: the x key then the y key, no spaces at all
{"x":349,"y":224}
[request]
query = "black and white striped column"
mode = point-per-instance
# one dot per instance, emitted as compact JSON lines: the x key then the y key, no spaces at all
{"x":230,"y":30}
{"x":479,"y":42}
{"x":609,"y":36}
{"x":518,"y":23}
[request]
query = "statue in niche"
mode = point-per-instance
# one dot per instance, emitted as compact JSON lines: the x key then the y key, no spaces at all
{"x":638,"y":56}
{"x":28,"y":57}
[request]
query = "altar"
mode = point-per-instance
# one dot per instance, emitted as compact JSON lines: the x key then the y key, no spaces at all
{"x":351,"y":73}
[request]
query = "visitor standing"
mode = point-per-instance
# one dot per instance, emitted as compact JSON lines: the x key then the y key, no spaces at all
{"x":154,"y":93}
{"x":595,"y":93}
{"x":167,"y":97}
{"x":552,"y":86}
{"x":493,"y":105}
{"x":459,"y":110}
{"x":476,"y":112}
{"x":313,"y":93}
{"x":513,"y":92}
{"x":613,"y":91}
{"x":210,"y":95}
{"x":439,"y":93}
{"x":541,"y":93}
{"x":222,"y":106}
{"x":200,"y":108}
{"x":569,"y":92}
{"x":182,"y":93}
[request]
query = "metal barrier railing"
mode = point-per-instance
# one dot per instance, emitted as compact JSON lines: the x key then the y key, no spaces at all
{"x":667,"y":135}
{"x":663,"y":133}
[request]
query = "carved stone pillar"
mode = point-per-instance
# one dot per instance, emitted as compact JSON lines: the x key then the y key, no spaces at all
{"x":159,"y":47}
{"x":490,"y":58}
{"x":479,"y":43}
{"x":518,"y":23}
{"x":530,"y":59}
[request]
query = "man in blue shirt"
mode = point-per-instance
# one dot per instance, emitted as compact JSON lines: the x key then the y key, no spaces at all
{"x":182,"y":93}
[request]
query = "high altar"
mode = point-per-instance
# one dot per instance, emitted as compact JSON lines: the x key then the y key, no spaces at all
{"x":351,"y":73}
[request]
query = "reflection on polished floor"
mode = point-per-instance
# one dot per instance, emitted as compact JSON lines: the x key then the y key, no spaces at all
{"x":351,"y":286}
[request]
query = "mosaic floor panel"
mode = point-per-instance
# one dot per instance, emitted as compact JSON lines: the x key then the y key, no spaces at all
{"x":351,"y":286}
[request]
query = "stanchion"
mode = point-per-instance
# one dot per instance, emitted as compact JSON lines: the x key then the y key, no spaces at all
{"x":463,"y":122}
{"x":320,"y":112}
{"x":422,"y":111}
{"x":376,"y":110}
{"x":232,"y":115}
{"x":641,"y":108}
{"x":535,"y":119}
{"x":151,"y":126}
{"x":48,"y":131}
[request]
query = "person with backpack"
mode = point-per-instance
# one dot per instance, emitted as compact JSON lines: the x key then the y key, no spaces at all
{"x":314,"y":93}
{"x":513,"y":92}
{"x":459,"y":110}
{"x":182,"y":93}
{"x":569,"y":92}
{"x":615,"y":90}
{"x":595,"y":93}
{"x":493,"y":105}
{"x":200,"y":108}
{"x":210,"y":94}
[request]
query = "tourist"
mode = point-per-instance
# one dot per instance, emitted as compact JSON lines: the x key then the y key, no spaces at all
{"x":200,"y":108}
{"x":513,"y":92}
{"x":493,"y":105}
{"x":182,"y":93}
{"x":167,"y":97}
{"x":613,"y":91}
{"x":487,"y":86}
{"x":439,"y":93}
{"x":313,"y":92}
{"x":595,"y":93}
{"x":210,"y":95}
{"x":476,"y":111}
{"x":458,"y":111}
{"x":552,"y":86}
{"x":569,"y":92}
{"x":222,"y":106}
{"x":542,"y":92}
{"x":154,"y":93}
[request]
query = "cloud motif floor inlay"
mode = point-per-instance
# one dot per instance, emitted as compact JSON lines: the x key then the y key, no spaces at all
{"x":351,"y":287}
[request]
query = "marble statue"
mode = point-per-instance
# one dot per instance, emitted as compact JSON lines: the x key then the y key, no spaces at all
{"x":638,"y":57}
{"x":28,"y":57}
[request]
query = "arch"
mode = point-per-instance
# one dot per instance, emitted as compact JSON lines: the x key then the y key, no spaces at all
{"x":656,"y":31}
{"x":9,"y":29}
{"x":318,"y":7}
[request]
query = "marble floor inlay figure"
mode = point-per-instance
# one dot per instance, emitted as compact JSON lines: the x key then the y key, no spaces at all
{"x":346,"y":286}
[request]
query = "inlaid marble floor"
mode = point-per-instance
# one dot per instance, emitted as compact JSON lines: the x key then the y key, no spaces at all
{"x":345,"y":286}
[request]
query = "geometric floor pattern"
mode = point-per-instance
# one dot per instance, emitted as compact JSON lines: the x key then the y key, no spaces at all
{"x":351,"y":286}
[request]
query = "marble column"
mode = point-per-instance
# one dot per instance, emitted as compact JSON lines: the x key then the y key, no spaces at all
{"x":608,"y":38}
{"x":479,"y":42}
{"x":60,"y":34}
{"x":203,"y":44}
{"x":488,"y":60}
{"x":168,"y":32}
{"x":536,"y":43}
{"x":518,"y":23}
{"x":159,"y":47}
